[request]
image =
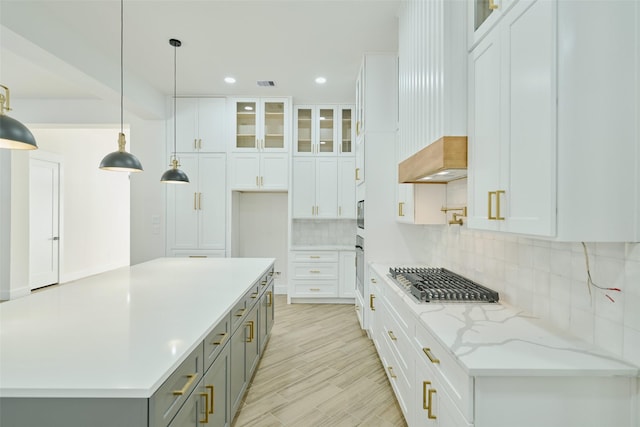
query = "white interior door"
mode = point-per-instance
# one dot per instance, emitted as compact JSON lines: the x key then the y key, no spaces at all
{"x":44,"y":238}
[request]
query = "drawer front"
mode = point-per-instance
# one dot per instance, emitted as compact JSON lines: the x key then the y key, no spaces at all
{"x":397,"y":341}
{"x":454,"y":379}
{"x":173,"y":393}
{"x":399,"y":311}
{"x":238,"y":312}
{"x":216,"y":339}
{"x":322,"y":271}
{"x":315,"y":256}
{"x":397,"y":378}
{"x":315,"y":289}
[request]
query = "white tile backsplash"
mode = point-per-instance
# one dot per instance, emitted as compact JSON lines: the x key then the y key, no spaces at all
{"x":315,"y":232}
{"x":549,"y":279}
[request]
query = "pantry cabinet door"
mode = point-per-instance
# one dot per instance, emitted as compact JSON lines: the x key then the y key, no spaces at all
{"x":182,"y":207}
{"x":327,"y":188}
{"x":303,"y":183}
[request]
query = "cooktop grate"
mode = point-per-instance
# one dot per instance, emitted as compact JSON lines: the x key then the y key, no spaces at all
{"x":441,"y":285}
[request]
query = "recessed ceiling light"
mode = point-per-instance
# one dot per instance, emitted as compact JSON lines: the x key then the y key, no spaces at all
{"x":229,"y":80}
{"x":321,"y":80}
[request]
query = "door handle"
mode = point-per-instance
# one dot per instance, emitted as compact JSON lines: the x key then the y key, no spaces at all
{"x":55,"y":238}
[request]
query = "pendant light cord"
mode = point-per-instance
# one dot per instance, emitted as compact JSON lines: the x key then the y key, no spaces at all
{"x":121,"y":66}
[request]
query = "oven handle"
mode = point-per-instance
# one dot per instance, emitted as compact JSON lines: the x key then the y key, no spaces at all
{"x":359,"y":247}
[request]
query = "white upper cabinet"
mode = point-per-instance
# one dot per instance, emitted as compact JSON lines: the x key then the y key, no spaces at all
{"x":315,"y":188}
{"x":323,"y":130}
{"x":259,"y":171}
{"x":200,"y":125}
{"x":551,"y":153}
{"x":260,"y":124}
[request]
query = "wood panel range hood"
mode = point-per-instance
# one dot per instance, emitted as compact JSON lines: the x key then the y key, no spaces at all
{"x":442,"y":161}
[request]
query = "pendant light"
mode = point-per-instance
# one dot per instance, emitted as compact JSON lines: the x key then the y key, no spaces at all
{"x":13,"y":134}
{"x":120,"y":160}
{"x":174,"y":175}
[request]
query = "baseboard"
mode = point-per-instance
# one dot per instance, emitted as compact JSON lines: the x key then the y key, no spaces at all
{"x":14,"y":293}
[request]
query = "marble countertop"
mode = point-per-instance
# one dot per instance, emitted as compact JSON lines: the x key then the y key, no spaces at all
{"x":119,"y":333}
{"x":502,"y":340}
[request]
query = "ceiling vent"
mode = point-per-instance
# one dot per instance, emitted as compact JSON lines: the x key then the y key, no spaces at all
{"x":266,"y":83}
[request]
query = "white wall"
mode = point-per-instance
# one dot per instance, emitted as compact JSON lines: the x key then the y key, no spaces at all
{"x":262,"y":226}
{"x":95,"y":217}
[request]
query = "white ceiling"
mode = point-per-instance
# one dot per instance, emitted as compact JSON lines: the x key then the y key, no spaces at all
{"x":71,"y":49}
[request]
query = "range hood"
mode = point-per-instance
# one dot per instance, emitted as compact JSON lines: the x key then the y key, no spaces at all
{"x":439,"y":162}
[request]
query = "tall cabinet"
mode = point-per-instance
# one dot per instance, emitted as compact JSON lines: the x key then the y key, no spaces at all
{"x":196,"y":212}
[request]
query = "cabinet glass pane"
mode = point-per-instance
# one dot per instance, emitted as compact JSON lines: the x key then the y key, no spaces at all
{"x":482,"y":12}
{"x":274,"y":125}
{"x":345,"y":138}
{"x":304,"y":130}
{"x":325,"y":137}
{"x":246,"y":124}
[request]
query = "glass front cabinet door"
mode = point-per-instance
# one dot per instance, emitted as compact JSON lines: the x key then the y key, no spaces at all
{"x":347,"y":131}
{"x":261,"y":124}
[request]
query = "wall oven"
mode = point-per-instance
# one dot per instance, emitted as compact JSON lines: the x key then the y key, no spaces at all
{"x":360,"y":265}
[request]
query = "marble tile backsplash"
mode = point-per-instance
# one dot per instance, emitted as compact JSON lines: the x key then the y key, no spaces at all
{"x":549,"y":279}
{"x":316,"y":232}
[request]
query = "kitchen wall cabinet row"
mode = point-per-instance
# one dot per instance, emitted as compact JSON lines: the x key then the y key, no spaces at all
{"x":329,"y":275}
{"x":434,"y":389}
{"x":546,"y":144}
{"x":323,"y":130}
{"x":323,"y":188}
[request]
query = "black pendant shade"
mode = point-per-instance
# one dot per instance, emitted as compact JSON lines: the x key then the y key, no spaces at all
{"x":174,"y":175}
{"x":14,"y":135}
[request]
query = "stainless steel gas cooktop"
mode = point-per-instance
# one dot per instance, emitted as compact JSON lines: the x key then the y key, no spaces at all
{"x":441,"y":285}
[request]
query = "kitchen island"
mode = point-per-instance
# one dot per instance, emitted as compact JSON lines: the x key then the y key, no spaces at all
{"x":493,"y":365}
{"x":134,"y":346}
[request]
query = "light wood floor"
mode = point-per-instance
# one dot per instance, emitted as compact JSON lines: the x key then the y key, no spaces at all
{"x":319,"y":369}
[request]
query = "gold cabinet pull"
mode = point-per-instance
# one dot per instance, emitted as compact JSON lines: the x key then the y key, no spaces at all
{"x":314,"y":271}
{"x":269,"y":299}
{"x":371,"y":298}
{"x":492,"y":5}
{"x":211,"y":407}
{"x":195,"y":201}
{"x":190,"y":379}
{"x":392,"y":336}
{"x":314,"y":289}
{"x":254,"y":295}
{"x":263,"y":283}
{"x":314,"y":256}
{"x":498,"y":216}
{"x":391,"y":374}
{"x":425,"y":405}
{"x":358,"y":127}
{"x":400,"y":209}
{"x":206,"y":408}
{"x":489,"y":216}
{"x":250,"y":325}
{"x":430,"y":355}
{"x":199,"y":144}
{"x":240,"y":312}
{"x":313,"y":210}
{"x":357,"y":174}
{"x":257,"y":182}
{"x":221,"y":340}
{"x":199,"y":201}
{"x":373,"y":280}
{"x":195,"y":143}
{"x":430,"y":413}
{"x":262,"y":181}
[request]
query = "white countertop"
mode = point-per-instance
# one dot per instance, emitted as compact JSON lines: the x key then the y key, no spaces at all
{"x":502,"y":340}
{"x":120,"y":333}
